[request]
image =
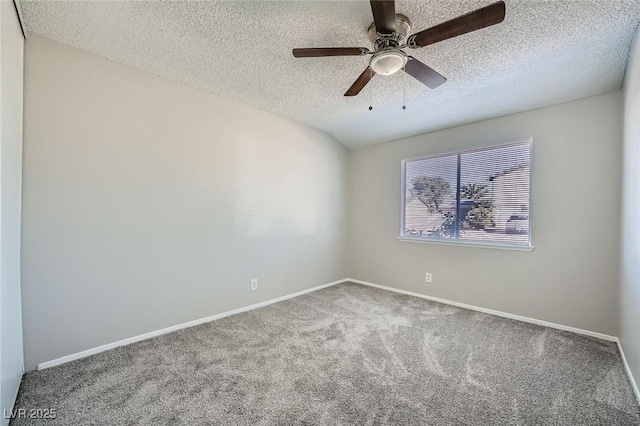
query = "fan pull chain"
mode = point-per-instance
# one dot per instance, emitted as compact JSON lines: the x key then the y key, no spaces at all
{"x":404,"y":90}
{"x":370,"y":90}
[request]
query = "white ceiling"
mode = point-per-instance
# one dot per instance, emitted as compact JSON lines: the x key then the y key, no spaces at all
{"x":545,"y":52}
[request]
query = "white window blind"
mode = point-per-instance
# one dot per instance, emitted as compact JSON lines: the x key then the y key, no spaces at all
{"x":479,"y":196}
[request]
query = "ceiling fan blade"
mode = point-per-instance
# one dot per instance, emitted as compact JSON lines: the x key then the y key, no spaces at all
{"x":361,"y":81}
{"x":424,"y":74}
{"x":481,"y":18}
{"x":384,"y":15}
{"x":315,"y":52}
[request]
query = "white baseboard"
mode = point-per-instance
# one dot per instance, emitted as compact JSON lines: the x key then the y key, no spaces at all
{"x":128,"y":341}
{"x":491,"y":311}
{"x":634,"y":385}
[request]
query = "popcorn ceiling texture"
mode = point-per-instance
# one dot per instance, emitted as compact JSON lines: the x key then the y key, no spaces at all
{"x":544,"y":53}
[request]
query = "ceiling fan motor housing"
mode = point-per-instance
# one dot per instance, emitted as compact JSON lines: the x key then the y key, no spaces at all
{"x":381,"y":41}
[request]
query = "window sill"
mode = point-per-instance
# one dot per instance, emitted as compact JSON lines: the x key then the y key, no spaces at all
{"x":467,"y":244}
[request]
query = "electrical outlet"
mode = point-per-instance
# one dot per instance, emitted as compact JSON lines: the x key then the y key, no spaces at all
{"x":254,"y":284}
{"x":428,"y":278}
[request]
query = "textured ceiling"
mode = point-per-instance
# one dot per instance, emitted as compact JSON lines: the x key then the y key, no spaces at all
{"x":544,"y":53}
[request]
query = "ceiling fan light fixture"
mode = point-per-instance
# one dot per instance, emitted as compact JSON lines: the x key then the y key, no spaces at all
{"x":388,"y":62}
{"x":389,"y":34}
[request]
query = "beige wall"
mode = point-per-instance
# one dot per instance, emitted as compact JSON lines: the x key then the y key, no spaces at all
{"x":11,"y":355}
{"x":569,"y":278}
{"x":630,"y":259}
{"x":148,"y":203}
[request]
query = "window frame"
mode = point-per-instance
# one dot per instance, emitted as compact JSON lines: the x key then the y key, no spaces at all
{"x":468,"y":243}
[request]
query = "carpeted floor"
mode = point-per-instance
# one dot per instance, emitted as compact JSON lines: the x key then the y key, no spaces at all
{"x":348,"y":354}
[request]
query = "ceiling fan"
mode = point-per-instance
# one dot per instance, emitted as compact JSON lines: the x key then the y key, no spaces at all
{"x":389,"y":35}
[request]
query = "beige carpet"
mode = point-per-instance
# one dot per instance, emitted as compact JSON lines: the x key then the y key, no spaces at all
{"x":344,"y":355}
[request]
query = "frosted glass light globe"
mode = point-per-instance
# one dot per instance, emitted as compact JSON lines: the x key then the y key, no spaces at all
{"x":388,"y":62}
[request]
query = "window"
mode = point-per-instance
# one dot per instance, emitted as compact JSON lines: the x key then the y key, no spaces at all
{"x":478,"y":197}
